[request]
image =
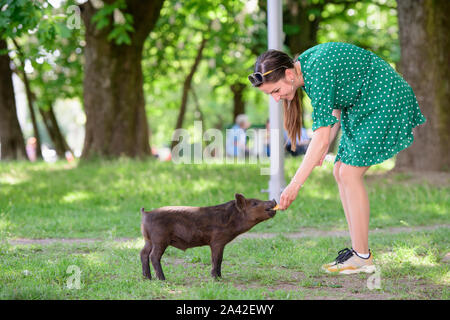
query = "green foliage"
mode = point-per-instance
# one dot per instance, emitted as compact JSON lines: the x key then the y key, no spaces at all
{"x":21,"y":17}
{"x":17,"y":16}
{"x":232,"y":30}
{"x":236,"y":34}
{"x":114,"y":16}
{"x":232,"y":48}
{"x":369,"y":24}
{"x":49,"y":45}
{"x":58,"y":74}
{"x":180,"y":28}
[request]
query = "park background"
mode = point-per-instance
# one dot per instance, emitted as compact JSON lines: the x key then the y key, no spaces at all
{"x":111,"y":80}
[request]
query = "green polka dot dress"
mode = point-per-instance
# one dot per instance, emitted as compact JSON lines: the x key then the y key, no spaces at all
{"x":378,"y":107}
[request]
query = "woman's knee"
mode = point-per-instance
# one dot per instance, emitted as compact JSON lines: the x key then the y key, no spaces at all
{"x":350,"y":174}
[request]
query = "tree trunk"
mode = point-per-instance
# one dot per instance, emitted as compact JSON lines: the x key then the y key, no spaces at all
{"x":11,"y":138}
{"x":238,"y":99}
{"x":302,"y":33}
{"x":30,"y":98}
{"x":32,"y":113}
{"x":199,"y":114}
{"x":187,"y":86}
{"x":59,"y":142}
{"x":425,"y":63}
{"x":116,"y":121}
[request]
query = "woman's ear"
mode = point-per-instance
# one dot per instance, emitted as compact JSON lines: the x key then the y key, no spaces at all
{"x":289,"y":75}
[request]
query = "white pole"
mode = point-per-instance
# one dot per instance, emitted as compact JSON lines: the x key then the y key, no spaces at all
{"x":275,"y":39}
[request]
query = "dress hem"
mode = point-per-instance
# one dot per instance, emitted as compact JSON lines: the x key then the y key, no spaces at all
{"x":408,"y":143}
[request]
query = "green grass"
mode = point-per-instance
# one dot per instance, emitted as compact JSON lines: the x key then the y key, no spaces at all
{"x":278,"y":268}
{"x":102,"y":200}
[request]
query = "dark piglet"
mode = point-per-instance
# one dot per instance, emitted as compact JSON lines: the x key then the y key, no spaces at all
{"x":187,"y":227}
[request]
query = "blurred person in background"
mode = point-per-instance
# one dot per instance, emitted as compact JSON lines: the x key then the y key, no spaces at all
{"x":236,"y":141}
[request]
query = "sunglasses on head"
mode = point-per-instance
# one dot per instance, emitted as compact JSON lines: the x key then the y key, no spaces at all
{"x":257,"y":78}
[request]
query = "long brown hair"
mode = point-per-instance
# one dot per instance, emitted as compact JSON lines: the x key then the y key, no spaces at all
{"x":273,"y":59}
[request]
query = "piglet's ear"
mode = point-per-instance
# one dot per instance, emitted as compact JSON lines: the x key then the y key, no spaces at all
{"x":240,"y":201}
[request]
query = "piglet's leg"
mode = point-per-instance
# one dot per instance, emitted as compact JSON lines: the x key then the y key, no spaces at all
{"x":145,"y":253}
{"x":216,"y":257}
{"x":155,"y":257}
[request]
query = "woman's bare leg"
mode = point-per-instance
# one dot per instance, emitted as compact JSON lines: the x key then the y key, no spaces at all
{"x":357,"y":201}
{"x":336,"y":169}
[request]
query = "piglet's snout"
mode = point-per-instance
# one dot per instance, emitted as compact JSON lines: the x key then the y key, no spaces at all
{"x":270,"y":204}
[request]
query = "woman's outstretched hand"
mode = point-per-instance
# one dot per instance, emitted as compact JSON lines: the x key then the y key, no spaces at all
{"x":288,"y":196}
{"x":314,"y":156}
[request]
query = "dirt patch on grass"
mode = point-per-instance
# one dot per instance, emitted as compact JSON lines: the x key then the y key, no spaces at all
{"x":27,"y":241}
{"x":326,"y":287}
{"x":338,"y":287}
{"x":420,"y":290}
{"x":303,"y":233}
{"x":296,"y":284}
{"x":321,"y":287}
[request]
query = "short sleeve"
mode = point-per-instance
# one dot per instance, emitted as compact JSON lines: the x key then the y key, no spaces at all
{"x":322,"y":94}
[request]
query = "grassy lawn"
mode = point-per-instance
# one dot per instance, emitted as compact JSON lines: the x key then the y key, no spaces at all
{"x":279,"y":268}
{"x":102,"y":200}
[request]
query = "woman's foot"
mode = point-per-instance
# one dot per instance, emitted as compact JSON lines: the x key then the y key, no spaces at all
{"x":343,"y":255}
{"x":348,"y":262}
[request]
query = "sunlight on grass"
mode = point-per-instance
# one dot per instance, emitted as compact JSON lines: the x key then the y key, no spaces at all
{"x":384,"y":217}
{"x":76,"y":196}
{"x":411,"y":256}
{"x":94,"y":259}
{"x":444,"y":279}
{"x":13,"y":177}
{"x":132,"y":244}
{"x":203,"y":185}
{"x":435,"y":209}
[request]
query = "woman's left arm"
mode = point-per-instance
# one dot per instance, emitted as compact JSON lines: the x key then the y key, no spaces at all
{"x":319,"y":144}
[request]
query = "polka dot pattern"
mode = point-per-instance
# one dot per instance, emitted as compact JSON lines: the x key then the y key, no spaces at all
{"x":378,"y":107}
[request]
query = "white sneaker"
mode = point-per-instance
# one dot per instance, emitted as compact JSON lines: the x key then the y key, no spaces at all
{"x":349,"y":262}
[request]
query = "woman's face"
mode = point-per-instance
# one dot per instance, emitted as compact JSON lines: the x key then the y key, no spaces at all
{"x":285,"y":88}
{"x":282,"y":89}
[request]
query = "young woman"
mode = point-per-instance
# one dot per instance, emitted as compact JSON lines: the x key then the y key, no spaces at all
{"x":353,"y":89}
